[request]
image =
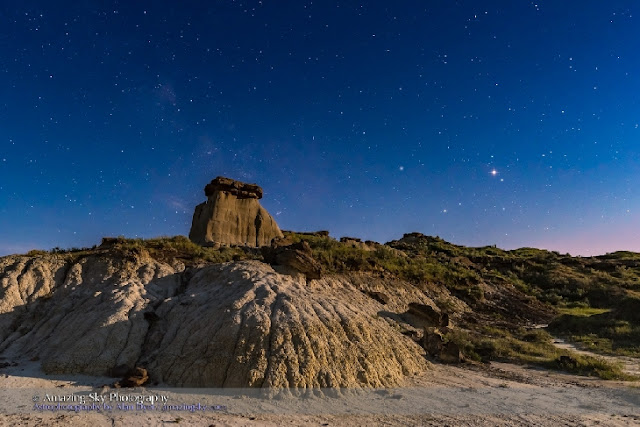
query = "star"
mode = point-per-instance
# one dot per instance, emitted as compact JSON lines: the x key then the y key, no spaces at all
{"x":158,"y":95}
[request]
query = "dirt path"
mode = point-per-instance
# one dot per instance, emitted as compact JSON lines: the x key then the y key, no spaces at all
{"x":630,"y":365}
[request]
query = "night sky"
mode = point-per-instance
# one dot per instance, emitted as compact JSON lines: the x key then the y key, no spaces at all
{"x":508,"y":122}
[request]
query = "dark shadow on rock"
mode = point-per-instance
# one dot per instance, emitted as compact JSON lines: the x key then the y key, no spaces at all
{"x":55,"y":330}
{"x":381,"y":297}
{"x":297,"y":256}
{"x":135,"y":377}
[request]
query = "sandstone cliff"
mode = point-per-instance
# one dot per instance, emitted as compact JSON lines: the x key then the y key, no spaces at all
{"x":232,"y":215}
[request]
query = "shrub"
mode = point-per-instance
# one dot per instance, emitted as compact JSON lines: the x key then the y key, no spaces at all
{"x":37,"y":252}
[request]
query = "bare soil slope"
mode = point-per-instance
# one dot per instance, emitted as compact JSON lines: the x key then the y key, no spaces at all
{"x":224,"y":325}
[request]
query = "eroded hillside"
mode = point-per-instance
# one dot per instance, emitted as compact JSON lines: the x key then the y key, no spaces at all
{"x":195,"y":316}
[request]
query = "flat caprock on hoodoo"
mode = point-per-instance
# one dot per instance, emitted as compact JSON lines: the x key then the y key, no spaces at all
{"x":232,"y":215}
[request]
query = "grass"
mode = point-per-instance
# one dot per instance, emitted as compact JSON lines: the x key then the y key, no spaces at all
{"x":605,"y":333}
{"x":583,"y":311}
{"x":37,"y":252}
{"x":589,"y":366}
{"x":166,"y":249}
{"x":422,"y":269}
{"x":533,"y":347}
{"x":182,"y":249}
{"x":594,"y":343}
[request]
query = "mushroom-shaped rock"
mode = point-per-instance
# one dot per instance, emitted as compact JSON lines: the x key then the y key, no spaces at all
{"x":232,"y":215}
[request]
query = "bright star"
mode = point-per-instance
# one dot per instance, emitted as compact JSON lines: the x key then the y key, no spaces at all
{"x":494,"y":172}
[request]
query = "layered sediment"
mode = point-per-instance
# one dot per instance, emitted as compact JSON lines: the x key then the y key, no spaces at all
{"x":232,"y":215}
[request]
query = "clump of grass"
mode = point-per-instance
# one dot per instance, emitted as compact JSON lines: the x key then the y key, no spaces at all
{"x":37,"y":252}
{"x":604,"y":331}
{"x":534,"y":347}
{"x":588,"y":366}
{"x":582,"y":311}
{"x":594,"y":343}
{"x":182,"y":249}
{"x":60,"y":251}
{"x":536,"y":336}
{"x":500,"y":344}
{"x":165,"y":249}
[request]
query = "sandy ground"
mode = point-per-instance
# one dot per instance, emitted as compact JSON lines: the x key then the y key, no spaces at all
{"x":472,"y":395}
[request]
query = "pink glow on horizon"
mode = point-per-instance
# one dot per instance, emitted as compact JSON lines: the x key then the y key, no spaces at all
{"x":594,"y":241}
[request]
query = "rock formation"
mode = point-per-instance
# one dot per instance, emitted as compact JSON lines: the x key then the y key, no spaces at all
{"x":133,"y":378}
{"x":222,"y":325}
{"x":451,"y":353}
{"x":432,"y":341}
{"x":435,"y":345}
{"x":297,"y":256}
{"x":425,"y":315}
{"x":381,"y":297}
{"x":232,"y":215}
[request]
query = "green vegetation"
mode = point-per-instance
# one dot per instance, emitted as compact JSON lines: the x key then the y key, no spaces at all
{"x":532,"y":347}
{"x":580,"y":311}
{"x":611,"y":332}
{"x":420,"y":268}
{"x":36,"y":252}
{"x":165,"y":249}
{"x":182,"y":249}
{"x":597,"y":299}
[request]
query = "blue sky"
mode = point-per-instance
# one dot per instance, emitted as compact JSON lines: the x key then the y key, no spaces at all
{"x":369,"y":120}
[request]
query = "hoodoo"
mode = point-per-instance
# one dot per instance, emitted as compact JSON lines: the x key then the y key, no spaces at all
{"x":232,"y":215}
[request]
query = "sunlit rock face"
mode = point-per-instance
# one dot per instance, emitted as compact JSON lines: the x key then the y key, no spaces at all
{"x":232,"y":215}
